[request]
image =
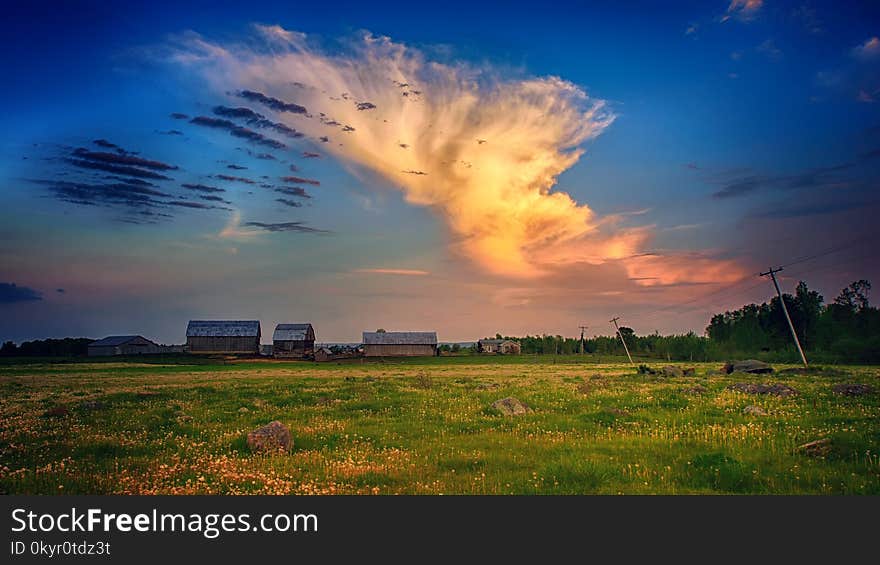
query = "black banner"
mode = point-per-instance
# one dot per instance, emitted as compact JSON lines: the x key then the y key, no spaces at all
{"x":414,"y":528}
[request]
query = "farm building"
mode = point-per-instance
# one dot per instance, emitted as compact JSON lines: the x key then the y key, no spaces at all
{"x":223,"y":336}
{"x":400,"y":344}
{"x":123,"y":345}
{"x":503,"y":346}
{"x":293,"y":340}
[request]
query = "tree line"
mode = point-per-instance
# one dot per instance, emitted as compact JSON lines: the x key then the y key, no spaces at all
{"x":846,"y":329}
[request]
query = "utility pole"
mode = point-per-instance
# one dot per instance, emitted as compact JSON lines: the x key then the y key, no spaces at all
{"x":772,"y":273}
{"x":583,"y":328}
{"x":623,"y":341}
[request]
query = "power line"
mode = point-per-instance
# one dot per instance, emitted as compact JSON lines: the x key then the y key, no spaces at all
{"x":722,"y":290}
{"x":829,"y":251}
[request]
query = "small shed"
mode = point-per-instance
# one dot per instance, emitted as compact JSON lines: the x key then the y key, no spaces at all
{"x":223,"y":336}
{"x":293,"y":340}
{"x":400,"y":344}
{"x":123,"y":345}
{"x":323,"y":354}
{"x":502,"y":346}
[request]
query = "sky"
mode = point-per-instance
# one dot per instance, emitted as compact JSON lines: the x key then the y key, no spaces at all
{"x":470,"y":169}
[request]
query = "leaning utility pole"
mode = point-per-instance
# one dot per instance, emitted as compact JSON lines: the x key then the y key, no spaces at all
{"x":623,"y":341}
{"x":772,"y":273}
{"x":583,"y":328}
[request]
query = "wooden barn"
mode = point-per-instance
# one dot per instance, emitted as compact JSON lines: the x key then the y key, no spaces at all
{"x":502,"y":346}
{"x":400,"y":344}
{"x":123,"y":345}
{"x":223,"y":336}
{"x":293,"y":340}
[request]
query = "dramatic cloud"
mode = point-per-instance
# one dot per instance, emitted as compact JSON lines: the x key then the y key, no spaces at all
{"x":483,"y":151}
{"x":11,"y":293}
{"x":286,"y":227}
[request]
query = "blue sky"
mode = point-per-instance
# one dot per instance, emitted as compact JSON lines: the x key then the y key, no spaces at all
{"x":744,"y":134}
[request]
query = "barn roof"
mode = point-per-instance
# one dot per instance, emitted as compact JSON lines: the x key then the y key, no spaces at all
{"x":223,"y":328}
{"x":496,"y":341}
{"x":400,"y":338}
{"x":115,"y":340}
{"x":291,"y":332}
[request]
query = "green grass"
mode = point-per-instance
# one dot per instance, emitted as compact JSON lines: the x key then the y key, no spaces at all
{"x":176,"y":425}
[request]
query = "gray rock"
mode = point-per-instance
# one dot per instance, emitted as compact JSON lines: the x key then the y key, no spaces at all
{"x":510,"y":406}
{"x":818,"y":448}
{"x":274,"y":436}
{"x":696,"y":389}
{"x":748,"y":366}
{"x":671,"y":371}
{"x":753,"y":410}
{"x":91,"y":405}
{"x":776,"y":389}
{"x":852,"y":389}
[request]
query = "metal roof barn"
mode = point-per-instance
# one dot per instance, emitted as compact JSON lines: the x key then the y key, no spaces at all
{"x":223,"y":336}
{"x":400,"y":344}
{"x":123,"y":345}
{"x":293,"y":340}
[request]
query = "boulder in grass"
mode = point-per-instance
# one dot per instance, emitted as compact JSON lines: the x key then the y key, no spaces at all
{"x":274,"y":436}
{"x":510,"y":406}
{"x":752,"y":366}
{"x":818,"y":448}
{"x":689,"y":371}
{"x":852,"y":389}
{"x":777,"y":389}
{"x":91,"y":405}
{"x":695,"y":390}
{"x":754,"y":411}
{"x":59,"y":411}
{"x":671,"y":371}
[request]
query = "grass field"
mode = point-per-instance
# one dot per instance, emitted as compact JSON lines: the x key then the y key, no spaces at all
{"x":426,"y":427}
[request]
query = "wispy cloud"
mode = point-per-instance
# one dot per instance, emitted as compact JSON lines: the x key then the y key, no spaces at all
{"x":769,"y":49}
{"x":11,"y":293}
{"x":868,"y":50}
{"x":401,"y":272}
{"x":742,"y":10}
{"x":299,"y":227}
